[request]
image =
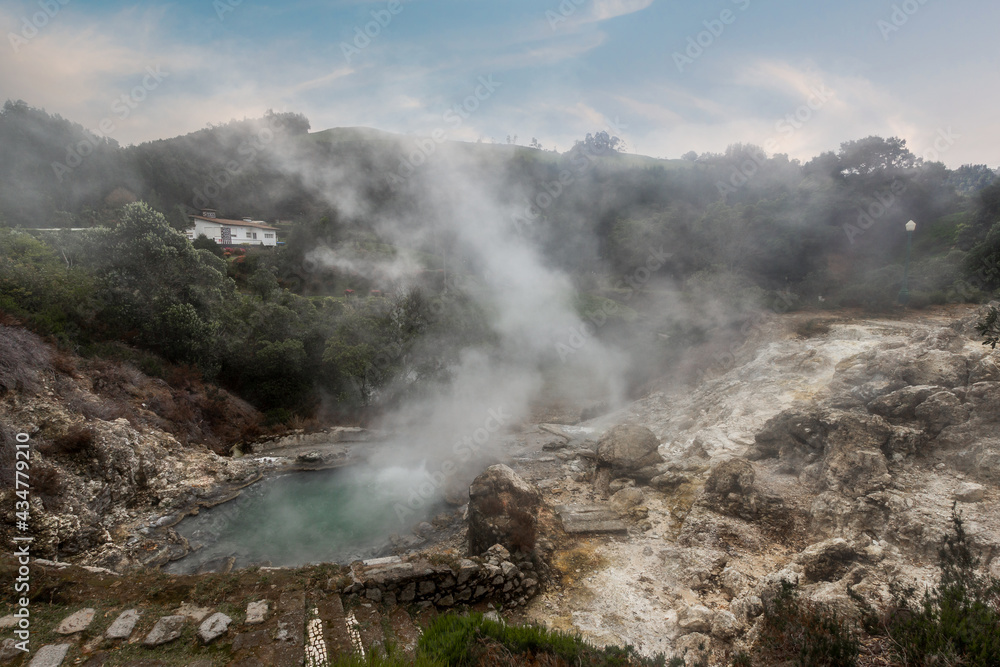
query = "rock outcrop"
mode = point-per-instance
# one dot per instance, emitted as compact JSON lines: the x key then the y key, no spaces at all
{"x":628,"y":450}
{"x":503,"y":509}
{"x":829,"y":463}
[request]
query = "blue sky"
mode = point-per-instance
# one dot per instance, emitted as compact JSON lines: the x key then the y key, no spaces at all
{"x":926,"y":71}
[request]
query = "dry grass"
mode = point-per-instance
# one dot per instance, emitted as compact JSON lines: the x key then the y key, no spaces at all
{"x":186,"y":407}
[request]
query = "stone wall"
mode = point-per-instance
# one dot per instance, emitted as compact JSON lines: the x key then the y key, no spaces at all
{"x":495,"y":576}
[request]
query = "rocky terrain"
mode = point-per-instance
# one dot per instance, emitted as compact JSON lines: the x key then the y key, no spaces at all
{"x":827,"y":453}
{"x":824,"y":451}
{"x":118,"y":457}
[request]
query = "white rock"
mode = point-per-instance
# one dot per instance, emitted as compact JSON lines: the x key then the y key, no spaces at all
{"x":76,"y":622}
{"x":196,"y":614}
{"x":213,"y":627}
{"x":696,"y":618}
{"x":123,"y":625}
{"x":970,"y":492}
{"x":167,"y":629}
{"x":725,"y":624}
{"x":256,"y":612}
{"x":49,"y":656}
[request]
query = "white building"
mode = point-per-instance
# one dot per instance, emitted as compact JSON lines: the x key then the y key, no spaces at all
{"x":231,"y":232}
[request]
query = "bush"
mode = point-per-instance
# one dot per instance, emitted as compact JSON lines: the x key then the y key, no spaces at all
{"x":460,"y":641}
{"x":47,"y":484}
{"x":801,"y":631}
{"x":989,"y":327}
{"x":277,"y":416}
{"x":77,"y":439}
{"x":959,"y":621}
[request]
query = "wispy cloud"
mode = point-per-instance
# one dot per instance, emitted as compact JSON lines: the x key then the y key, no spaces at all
{"x":602,"y":10}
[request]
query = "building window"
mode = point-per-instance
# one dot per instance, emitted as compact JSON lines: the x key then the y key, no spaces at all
{"x":268,"y":236}
{"x":255,"y":235}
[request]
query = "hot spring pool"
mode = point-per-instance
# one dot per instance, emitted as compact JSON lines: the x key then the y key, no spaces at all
{"x":307,"y":517}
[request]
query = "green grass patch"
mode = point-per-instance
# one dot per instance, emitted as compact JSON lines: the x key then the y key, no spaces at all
{"x":465,"y":641}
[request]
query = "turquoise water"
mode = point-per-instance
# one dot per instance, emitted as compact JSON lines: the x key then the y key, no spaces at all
{"x":309,"y":517}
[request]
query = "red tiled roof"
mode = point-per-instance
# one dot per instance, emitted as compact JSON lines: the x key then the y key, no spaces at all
{"x":234,"y":223}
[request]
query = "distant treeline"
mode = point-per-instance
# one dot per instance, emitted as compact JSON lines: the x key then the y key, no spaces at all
{"x":744,"y":228}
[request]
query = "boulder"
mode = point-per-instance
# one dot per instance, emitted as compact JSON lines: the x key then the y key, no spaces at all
{"x":940,"y":410}
{"x":696,"y":618}
{"x":256,"y":612}
{"x":503,"y":509}
{"x":730,"y":490}
{"x":827,"y":560}
{"x":628,"y":450}
{"x":732,"y":476}
{"x":970,"y":492}
{"x":793,"y":430}
{"x":213,"y":627}
{"x":725,"y":625}
{"x":986,"y":369}
{"x":901,"y":404}
{"x":935,"y":367}
{"x":626,"y":499}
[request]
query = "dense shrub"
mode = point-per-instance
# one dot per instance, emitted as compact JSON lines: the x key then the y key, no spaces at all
{"x":989,"y":327}
{"x":77,"y":439}
{"x":793,"y":629}
{"x":956,"y":623}
{"x":467,"y":641}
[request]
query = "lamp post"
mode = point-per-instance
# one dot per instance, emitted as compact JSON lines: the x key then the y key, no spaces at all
{"x":904,"y":293}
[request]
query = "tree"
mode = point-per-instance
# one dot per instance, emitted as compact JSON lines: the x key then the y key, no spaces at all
{"x":205,"y":243}
{"x":875,"y":154}
{"x":599,"y":143}
{"x":971,"y":178}
{"x":989,"y":327}
{"x":156,"y":288}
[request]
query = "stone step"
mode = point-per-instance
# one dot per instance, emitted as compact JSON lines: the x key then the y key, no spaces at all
{"x":316,"y":652}
{"x":580,"y":519}
{"x":335,"y":632}
{"x":370,"y":626}
{"x":50,"y":655}
{"x":277,"y":642}
{"x":424,"y":618}
{"x":291,"y":614}
{"x":405,"y":632}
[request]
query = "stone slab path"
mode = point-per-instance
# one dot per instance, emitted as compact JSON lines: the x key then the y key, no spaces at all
{"x":293,"y":630}
{"x":590,"y":519}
